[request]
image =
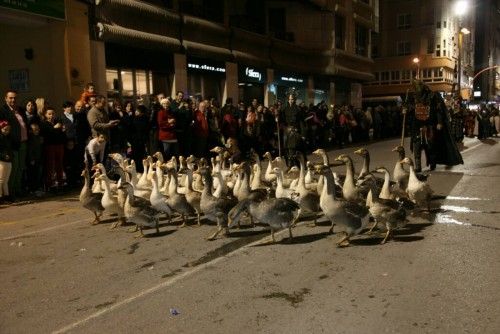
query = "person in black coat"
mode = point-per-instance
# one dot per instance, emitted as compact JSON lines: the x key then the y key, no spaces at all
{"x":19,"y":139}
{"x":140,"y":127}
{"x":430,"y":129}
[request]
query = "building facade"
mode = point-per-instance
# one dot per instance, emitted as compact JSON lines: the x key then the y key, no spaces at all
{"x":487,"y":51}
{"x":241,"y":49}
{"x":422,"y":39}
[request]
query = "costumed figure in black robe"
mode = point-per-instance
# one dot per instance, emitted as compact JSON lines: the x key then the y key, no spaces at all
{"x":292,"y":119}
{"x":430,"y":129}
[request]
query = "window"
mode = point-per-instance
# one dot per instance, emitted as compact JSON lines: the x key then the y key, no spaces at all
{"x":361,"y":40}
{"x":438,"y":24}
{"x":404,"y":21}
{"x":384,"y":76}
{"x":444,"y":43}
{"x":438,"y":72}
{"x":377,"y":76}
{"x":374,"y":51}
{"x":430,"y":45}
{"x":404,"y":48}
{"x":427,"y":72}
{"x":277,"y":20}
{"x":128,"y":83}
{"x":339,"y":32}
{"x":444,"y":24}
{"x":438,"y":53}
{"x":395,"y":76}
{"x":405,"y":75}
{"x":444,"y":53}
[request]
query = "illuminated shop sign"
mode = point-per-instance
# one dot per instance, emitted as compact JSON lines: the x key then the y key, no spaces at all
{"x":287,"y":79}
{"x":206,"y":67}
{"x":292,"y":79}
{"x":251,"y":74}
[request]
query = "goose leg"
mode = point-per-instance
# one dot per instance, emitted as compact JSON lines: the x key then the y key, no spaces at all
{"x":389,"y":232}
{"x":373,"y":227}
{"x":157,"y":226}
{"x":141,"y":233}
{"x":183,"y":221}
{"x":96,"y":220}
{"x":331,"y":228}
{"x":272,"y":236}
{"x":198,"y":218}
{"x":290,"y":233}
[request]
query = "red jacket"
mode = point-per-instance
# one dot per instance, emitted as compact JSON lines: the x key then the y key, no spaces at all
{"x":166,"y":125}
{"x":200,"y":124}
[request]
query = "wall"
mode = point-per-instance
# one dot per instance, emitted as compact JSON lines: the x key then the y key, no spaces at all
{"x":58,"y":48}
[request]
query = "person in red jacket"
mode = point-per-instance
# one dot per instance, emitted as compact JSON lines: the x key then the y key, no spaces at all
{"x":200,"y":130}
{"x":166,"y":130}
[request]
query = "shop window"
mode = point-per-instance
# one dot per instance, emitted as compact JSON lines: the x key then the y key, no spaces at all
{"x":339,"y":32}
{"x":361,"y":40}
{"x":128,"y":83}
{"x":404,"y":48}
{"x":404,"y":21}
{"x":112,"y":81}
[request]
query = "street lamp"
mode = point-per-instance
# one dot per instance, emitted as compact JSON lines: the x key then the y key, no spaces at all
{"x":416,"y":61}
{"x":460,"y":8}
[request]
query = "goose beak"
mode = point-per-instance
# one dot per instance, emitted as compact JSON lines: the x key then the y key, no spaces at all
{"x":315,"y":152}
{"x":359,"y":151}
{"x":395,"y":149}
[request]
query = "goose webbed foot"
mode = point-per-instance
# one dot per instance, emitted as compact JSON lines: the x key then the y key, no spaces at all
{"x":344,"y":242}
{"x":96,"y":219}
{"x":215,"y":234}
{"x":140,"y":234}
{"x":133,"y":229}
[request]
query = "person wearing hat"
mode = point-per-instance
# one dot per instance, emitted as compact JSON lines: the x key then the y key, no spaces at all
{"x":6,"y":155}
{"x":430,"y":129}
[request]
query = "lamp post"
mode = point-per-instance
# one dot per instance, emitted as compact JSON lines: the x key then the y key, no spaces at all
{"x":416,"y":61}
{"x":460,"y":8}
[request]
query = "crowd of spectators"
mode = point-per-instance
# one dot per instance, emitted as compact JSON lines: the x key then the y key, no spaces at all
{"x":44,"y":149}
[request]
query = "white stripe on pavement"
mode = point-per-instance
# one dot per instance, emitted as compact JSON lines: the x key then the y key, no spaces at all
{"x":43,"y":230}
{"x":162,"y":285}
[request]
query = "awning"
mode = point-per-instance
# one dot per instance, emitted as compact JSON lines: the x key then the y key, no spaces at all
{"x":207,"y":51}
{"x":125,"y":36}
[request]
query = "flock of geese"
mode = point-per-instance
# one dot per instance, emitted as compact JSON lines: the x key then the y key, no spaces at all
{"x":227,"y":193}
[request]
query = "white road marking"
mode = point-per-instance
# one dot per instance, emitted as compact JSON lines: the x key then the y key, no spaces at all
{"x":43,"y":230}
{"x":162,"y":285}
{"x":471,"y":148}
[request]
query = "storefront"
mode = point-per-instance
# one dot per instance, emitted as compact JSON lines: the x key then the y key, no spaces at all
{"x":206,"y":78}
{"x":321,"y":89}
{"x":251,"y":83}
{"x":287,"y":83}
{"x":137,"y":73}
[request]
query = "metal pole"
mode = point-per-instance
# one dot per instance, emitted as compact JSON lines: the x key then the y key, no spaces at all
{"x":405,"y":110}
{"x":459,"y":74}
{"x":279,"y":138}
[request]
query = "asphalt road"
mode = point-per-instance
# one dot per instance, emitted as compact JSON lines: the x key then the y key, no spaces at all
{"x":58,"y":274}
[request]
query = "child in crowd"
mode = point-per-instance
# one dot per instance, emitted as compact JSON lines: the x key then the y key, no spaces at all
{"x":5,"y":160}
{"x":34,"y":159}
{"x":94,"y":152}
{"x":88,"y":91}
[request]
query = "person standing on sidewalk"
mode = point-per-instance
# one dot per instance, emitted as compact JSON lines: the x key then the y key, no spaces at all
{"x":5,"y":160}
{"x":19,"y":138}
